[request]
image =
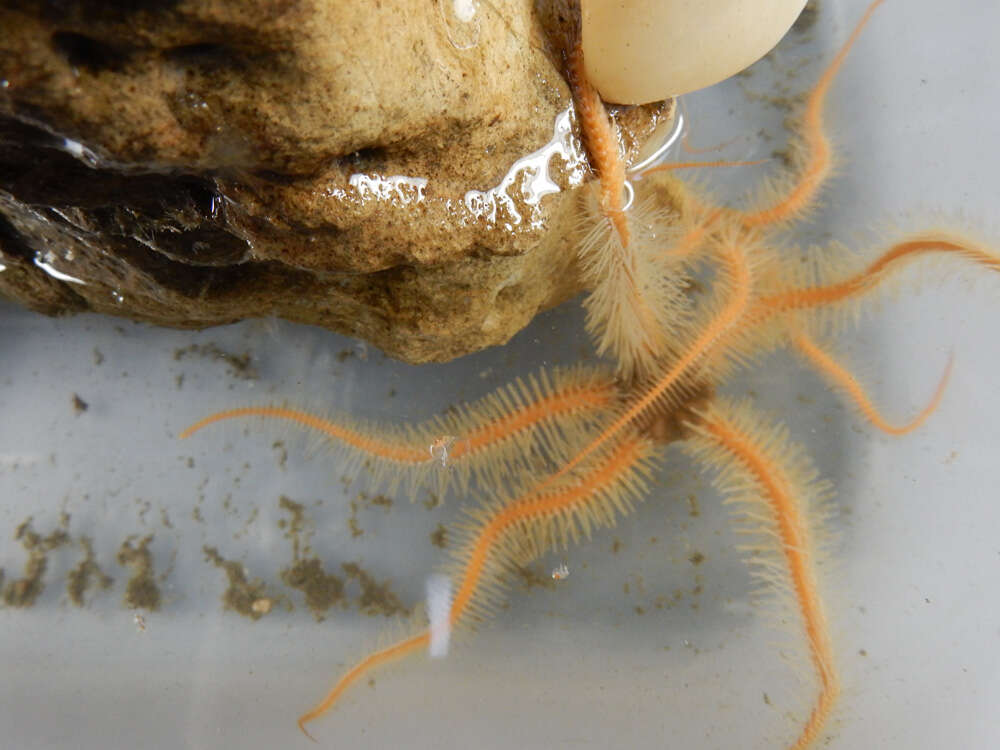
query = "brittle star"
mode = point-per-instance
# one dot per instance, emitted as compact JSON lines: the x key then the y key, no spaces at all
{"x":672,"y":351}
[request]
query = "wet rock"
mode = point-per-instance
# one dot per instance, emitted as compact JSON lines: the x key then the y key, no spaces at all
{"x":362,"y":166}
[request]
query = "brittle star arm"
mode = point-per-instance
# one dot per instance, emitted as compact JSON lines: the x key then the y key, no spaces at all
{"x":817,"y":151}
{"x":502,"y":534}
{"x":484,"y":440}
{"x":842,"y":378}
{"x":780,"y":317}
{"x":782,"y":505}
{"x":601,"y":144}
{"x":803,"y":188}
{"x":808,"y":179}
{"x":853,"y":287}
{"x":806,"y":182}
{"x":616,"y":255}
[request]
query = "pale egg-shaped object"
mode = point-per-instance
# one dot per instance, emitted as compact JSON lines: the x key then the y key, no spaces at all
{"x":639,"y":51}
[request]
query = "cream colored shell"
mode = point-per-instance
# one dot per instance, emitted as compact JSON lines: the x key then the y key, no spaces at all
{"x":638,"y":51}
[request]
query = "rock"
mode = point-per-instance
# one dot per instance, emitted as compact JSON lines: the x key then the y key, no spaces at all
{"x":394,"y":171}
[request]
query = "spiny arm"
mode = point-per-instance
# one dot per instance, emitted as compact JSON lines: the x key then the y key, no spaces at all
{"x":771,"y":481}
{"x":816,"y":296}
{"x":617,"y":260}
{"x":363,"y":440}
{"x":487,"y":439}
{"x":800,"y":195}
{"x":370,"y":662}
{"x":500,"y":533}
{"x":601,"y":143}
{"x":845,"y":381}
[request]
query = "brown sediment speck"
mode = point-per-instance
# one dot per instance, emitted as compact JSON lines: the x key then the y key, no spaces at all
{"x":86,"y":574}
{"x":247,"y":598}
{"x":296,"y":527}
{"x":352,"y":522}
{"x":375,"y":598}
{"x":24,"y":591}
{"x":383,"y":501}
{"x":439,"y":537}
{"x":281,"y":453}
{"x":79,"y":405}
{"x":251,"y":519}
{"x":322,"y":590}
{"x":693,"y":509}
{"x":239,"y":365}
{"x":141,"y":591}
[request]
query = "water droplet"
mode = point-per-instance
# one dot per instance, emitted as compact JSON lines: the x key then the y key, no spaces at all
{"x":215,"y":206}
{"x":461,"y":22}
{"x":529,"y":180}
{"x":81,"y":152}
{"x":397,"y":189}
{"x":45,"y":262}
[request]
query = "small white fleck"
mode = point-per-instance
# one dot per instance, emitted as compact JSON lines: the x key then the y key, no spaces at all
{"x":439,"y":614}
{"x":440,"y":447}
{"x":44,"y":261}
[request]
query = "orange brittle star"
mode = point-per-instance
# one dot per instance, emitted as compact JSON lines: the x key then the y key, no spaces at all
{"x":672,"y":350}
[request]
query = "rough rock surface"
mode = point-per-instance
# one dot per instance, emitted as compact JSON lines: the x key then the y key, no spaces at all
{"x":347,"y":163}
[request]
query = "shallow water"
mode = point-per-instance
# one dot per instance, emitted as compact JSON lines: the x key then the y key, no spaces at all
{"x":653,"y":638}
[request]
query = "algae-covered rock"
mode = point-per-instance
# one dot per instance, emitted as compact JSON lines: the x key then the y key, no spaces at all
{"x":399,"y":171}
